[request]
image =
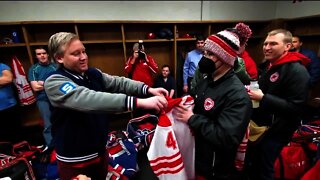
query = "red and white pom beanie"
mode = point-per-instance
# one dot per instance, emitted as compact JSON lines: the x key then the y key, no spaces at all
{"x":226,"y":44}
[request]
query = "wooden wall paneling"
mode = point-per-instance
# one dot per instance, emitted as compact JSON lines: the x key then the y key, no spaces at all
{"x":39,"y":33}
{"x":108,"y":57}
{"x":308,"y":29}
{"x":192,"y":28}
{"x":100,"y":32}
{"x":25,"y":36}
{"x":259,"y":28}
{"x":308,"y":26}
{"x":21,"y":52}
{"x":219,"y":26}
{"x":6,"y":31}
{"x":124,"y":44}
{"x":162,"y":53}
{"x":138,"y":31}
{"x":254,"y":48}
{"x":276,"y":24}
{"x":175,"y":59}
{"x":109,"y":43}
{"x":76,"y":29}
{"x":10,"y":46}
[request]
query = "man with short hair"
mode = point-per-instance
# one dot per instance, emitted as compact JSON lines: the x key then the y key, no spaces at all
{"x":314,"y":66}
{"x":165,"y":80}
{"x":191,"y":63}
{"x":282,"y":94}
{"x":82,"y":97}
{"x":37,"y":74}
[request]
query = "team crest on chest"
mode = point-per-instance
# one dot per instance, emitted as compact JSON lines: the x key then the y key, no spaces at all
{"x":208,"y":104}
{"x":274,"y":77}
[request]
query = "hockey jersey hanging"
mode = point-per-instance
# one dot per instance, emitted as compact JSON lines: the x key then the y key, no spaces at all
{"x":25,"y":93}
{"x":171,"y":153}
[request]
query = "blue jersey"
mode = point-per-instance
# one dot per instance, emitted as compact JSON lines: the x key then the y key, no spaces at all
{"x":7,"y":98}
{"x":39,"y":72}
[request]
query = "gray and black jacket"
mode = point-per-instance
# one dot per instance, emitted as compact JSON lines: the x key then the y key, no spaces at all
{"x":80,"y":104}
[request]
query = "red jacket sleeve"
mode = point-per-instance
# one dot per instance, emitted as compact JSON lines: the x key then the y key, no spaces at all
{"x":250,"y":64}
{"x":152,"y":64}
{"x":128,"y":67}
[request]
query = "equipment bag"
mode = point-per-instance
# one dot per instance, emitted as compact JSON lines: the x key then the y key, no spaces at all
{"x":141,"y":130}
{"x":122,"y":156}
{"x":15,"y":168}
{"x":23,"y":149}
{"x":20,"y":149}
{"x":313,"y":173}
{"x":292,"y":163}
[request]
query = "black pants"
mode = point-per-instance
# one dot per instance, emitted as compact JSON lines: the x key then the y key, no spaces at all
{"x":189,"y":85}
{"x":10,"y":125}
{"x":260,"y":158}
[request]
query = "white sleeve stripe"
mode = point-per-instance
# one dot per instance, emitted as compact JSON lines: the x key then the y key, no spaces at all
{"x":129,"y":103}
{"x":144,"y":89}
{"x":152,"y":69}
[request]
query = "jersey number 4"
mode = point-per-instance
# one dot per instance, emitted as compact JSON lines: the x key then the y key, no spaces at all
{"x":171,"y":142}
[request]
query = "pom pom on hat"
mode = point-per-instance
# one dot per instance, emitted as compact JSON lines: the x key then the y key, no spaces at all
{"x":226,"y":44}
{"x":244,"y":33}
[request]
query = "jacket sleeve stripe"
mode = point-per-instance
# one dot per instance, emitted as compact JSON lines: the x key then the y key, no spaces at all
{"x":131,"y":103}
{"x":145,"y":89}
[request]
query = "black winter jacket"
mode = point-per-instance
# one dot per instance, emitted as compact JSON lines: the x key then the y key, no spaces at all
{"x":285,"y":88}
{"x":222,"y":111}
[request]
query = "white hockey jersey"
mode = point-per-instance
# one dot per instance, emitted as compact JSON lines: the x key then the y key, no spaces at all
{"x":26,"y":96}
{"x":171,"y":153}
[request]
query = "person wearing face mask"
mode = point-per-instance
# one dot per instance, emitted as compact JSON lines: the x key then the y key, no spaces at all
{"x":222,"y":107}
{"x":240,"y":67}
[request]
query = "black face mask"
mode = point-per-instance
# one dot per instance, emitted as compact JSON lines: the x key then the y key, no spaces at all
{"x":206,"y":65}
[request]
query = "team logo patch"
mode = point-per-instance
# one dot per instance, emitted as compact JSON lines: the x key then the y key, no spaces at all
{"x":66,"y":87}
{"x":208,"y":104}
{"x":274,"y":77}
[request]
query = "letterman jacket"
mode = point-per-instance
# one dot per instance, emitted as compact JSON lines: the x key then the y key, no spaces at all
{"x":222,"y":112}
{"x":80,"y":105}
